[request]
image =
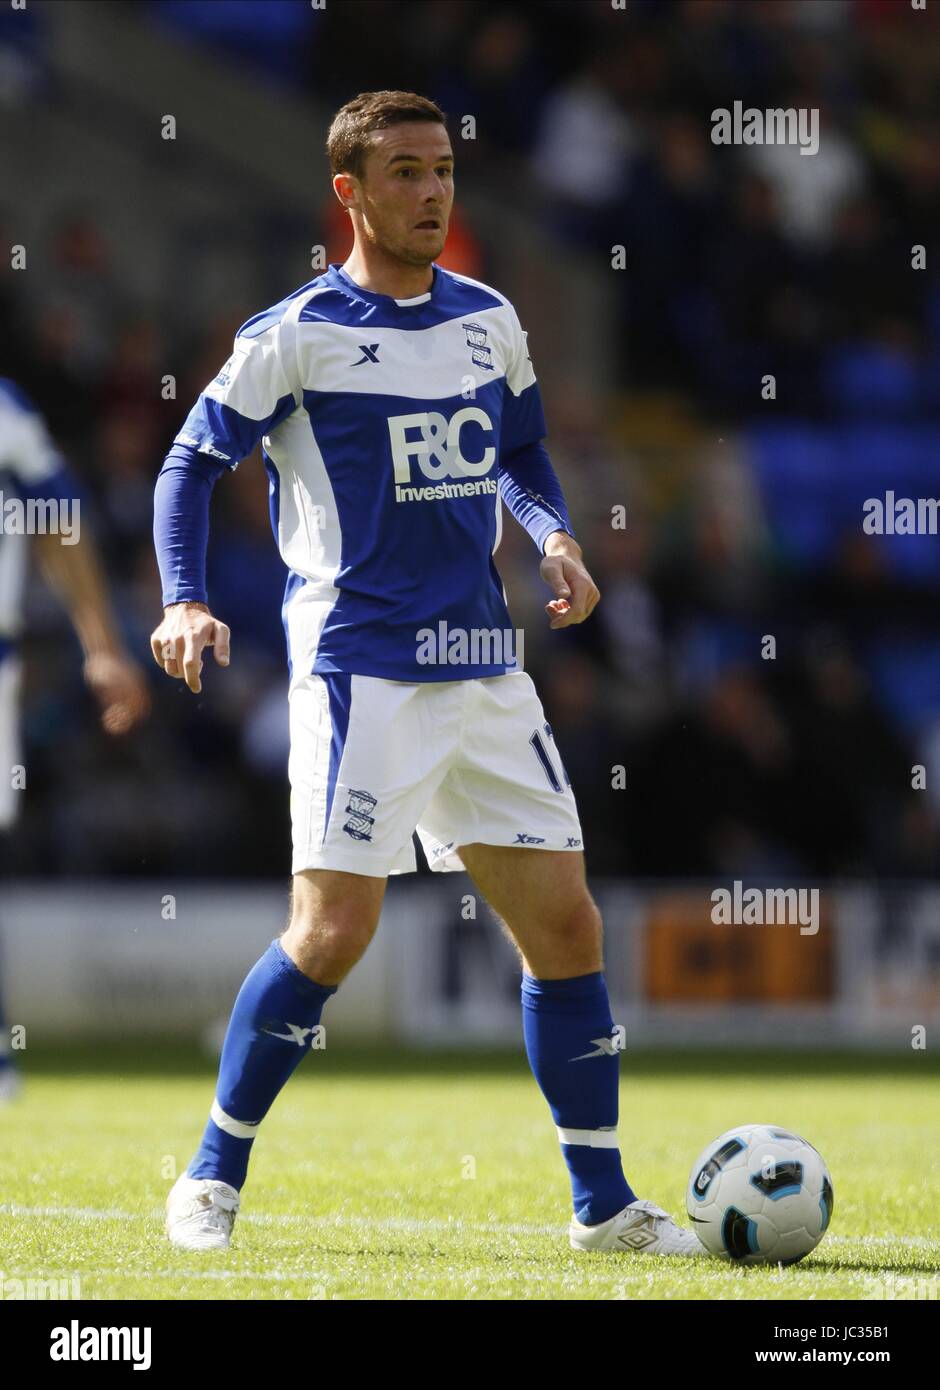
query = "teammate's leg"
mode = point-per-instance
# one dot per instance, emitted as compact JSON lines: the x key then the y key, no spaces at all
{"x":9,"y":756}
{"x":333,"y":918}
{"x":542,"y":897}
{"x":8,"y":1077}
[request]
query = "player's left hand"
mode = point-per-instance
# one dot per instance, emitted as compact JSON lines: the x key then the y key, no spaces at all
{"x":576,"y":594}
{"x":118,"y":685}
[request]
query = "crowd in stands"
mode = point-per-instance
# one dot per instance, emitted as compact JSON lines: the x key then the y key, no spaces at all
{"x":743,"y":512}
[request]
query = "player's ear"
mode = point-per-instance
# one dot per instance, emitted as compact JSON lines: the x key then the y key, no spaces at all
{"x":344,"y":186}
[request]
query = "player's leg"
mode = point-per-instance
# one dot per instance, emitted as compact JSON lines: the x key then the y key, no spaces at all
{"x":507,"y":814}
{"x":365,"y":755}
{"x":278,"y":1009}
{"x":543,"y":899}
{"x":273,"y":1025}
{"x":333,"y":918}
{"x":510,"y":791}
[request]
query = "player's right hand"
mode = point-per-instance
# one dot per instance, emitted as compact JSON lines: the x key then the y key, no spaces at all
{"x":180,"y":640}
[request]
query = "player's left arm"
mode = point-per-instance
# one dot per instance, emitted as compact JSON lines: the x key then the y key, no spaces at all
{"x":531,"y":489}
{"x":565,"y":573}
{"x":532,"y":492}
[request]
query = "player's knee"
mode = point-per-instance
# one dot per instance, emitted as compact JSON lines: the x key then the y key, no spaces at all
{"x":340,"y":926}
{"x":325,"y":949}
{"x":587,"y":928}
{"x":331,"y":922}
{"x":578,"y":933}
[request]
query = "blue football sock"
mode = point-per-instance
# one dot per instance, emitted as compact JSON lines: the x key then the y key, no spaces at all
{"x":568,"y":1037}
{"x":269,"y":1032}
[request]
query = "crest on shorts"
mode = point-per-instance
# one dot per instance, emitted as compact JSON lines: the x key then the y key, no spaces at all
{"x":359,"y":808}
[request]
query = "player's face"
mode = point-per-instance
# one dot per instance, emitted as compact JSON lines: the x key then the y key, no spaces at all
{"x":407,"y":192}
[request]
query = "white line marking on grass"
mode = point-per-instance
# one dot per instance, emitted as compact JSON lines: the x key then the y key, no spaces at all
{"x":71,"y":1213}
{"x":398,"y":1223}
{"x":302,"y":1276}
{"x":913,"y":1242}
{"x":391,"y":1223}
{"x":413,"y":1224}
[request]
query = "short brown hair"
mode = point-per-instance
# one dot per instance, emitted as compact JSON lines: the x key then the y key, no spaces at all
{"x":348,"y":142}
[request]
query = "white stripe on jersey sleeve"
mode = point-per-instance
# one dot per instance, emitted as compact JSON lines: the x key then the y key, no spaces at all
{"x":252,"y":380}
{"x":260,"y":375}
{"x":520,"y":372}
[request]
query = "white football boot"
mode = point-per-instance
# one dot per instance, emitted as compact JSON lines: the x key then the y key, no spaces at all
{"x":200,"y":1213}
{"x":642,"y":1226}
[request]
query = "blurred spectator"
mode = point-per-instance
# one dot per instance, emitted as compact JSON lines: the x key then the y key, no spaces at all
{"x":741,"y":508}
{"x":582,"y":155}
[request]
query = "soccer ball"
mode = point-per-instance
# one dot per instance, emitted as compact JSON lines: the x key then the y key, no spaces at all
{"x":759,"y":1195}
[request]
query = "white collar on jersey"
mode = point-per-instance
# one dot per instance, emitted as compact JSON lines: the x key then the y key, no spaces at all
{"x":381,"y":298}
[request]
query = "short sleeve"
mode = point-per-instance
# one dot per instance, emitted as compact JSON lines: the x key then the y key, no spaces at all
{"x":245,"y":401}
{"x":523,"y":418}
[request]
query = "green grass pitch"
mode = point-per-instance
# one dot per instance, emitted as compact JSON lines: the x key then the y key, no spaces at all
{"x":405,"y":1175}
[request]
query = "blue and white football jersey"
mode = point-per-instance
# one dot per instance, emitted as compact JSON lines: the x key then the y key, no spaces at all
{"x":30,"y":466}
{"x":383,"y":423}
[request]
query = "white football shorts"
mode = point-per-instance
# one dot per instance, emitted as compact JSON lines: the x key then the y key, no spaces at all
{"x":10,"y":669}
{"x":461,"y":762}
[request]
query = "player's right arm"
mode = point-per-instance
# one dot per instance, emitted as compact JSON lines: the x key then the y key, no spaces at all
{"x":248,"y":398}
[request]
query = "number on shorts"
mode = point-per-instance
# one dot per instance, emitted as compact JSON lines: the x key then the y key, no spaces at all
{"x":541,"y":752}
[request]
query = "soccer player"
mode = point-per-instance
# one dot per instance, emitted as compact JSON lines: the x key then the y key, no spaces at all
{"x":398,"y":409}
{"x":34,"y":475}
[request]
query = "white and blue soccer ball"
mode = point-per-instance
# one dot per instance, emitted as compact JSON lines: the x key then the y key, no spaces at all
{"x":759,"y":1195}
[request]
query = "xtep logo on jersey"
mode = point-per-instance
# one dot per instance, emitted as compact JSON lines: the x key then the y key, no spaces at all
{"x":371,"y":354}
{"x":433,"y":442}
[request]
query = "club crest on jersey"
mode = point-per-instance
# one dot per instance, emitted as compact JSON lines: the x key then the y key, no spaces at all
{"x":476,"y":341}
